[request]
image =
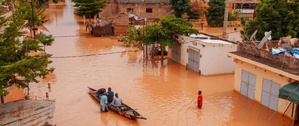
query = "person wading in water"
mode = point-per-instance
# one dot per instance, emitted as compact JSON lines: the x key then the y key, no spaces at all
{"x":199,"y":100}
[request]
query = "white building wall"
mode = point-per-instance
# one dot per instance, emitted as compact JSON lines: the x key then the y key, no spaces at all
{"x":214,"y":58}
{"x":184,"y":47}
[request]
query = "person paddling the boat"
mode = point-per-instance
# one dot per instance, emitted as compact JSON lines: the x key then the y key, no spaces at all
{"x":104,"y":102}
{"x":110,"y":95}
{"x":117,"y":102}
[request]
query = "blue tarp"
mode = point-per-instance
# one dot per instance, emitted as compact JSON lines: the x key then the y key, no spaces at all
{"x":294,"y":51}
{"x":290,"y":92}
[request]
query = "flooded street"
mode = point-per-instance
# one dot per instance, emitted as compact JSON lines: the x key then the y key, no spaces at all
{"x":165,"y":93}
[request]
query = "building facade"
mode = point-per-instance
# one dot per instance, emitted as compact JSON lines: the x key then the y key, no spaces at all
{"x":261,"y":76}
{"x":149,"y":9}
{"x":204,"y":54}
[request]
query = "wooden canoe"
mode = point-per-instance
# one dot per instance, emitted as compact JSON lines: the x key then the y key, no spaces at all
{"x":124,"y":110}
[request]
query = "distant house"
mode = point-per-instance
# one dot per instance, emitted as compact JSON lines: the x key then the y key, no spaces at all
{"x":204,"y":54}
{"x":267,"y":79}
{"x":245,"y":10}
{"x":149,"y":9}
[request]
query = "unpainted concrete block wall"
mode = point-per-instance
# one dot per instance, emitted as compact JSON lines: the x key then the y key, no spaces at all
{"x":287,"y":61}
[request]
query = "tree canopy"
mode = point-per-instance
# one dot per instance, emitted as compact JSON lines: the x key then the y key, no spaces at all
{"x":215,"y":13}
{"x":279,"y":16}
{"x":25,"y":8}
{"x":163,"y":33}
{"x":181,"y":7}
{"x":16,"y":66}
{"x":133,"y":36}
{"x":89,"y":8}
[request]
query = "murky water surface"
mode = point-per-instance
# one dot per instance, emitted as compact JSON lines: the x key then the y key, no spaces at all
{"x":163,"y":92}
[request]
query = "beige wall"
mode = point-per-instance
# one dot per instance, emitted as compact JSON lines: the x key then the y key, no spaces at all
{"x":15,"y":94}
{"x":260,"y":74}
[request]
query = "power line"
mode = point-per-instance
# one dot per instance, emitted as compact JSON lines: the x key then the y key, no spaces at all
{"x":57,"y":57}
{"x":66,"y":36}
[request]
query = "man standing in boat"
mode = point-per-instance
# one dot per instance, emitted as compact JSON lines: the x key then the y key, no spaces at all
{"x":104,"y":102}
{"x":110,"y":95}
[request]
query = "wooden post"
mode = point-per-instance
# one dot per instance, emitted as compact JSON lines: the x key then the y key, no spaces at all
{"x":162,"y":55}
{"x":84,"y":19}
{"x":146,"y":52}
{"x":2,"y":99}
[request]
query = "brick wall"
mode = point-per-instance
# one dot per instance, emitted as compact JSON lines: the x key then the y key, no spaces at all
{"x":155,"y":10}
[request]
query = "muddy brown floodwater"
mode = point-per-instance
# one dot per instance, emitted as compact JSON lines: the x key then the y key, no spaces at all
{"x":163,"y":92}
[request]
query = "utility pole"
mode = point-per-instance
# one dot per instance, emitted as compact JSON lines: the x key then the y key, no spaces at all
{"x":225,"y":18}
{"x":31,"y":2}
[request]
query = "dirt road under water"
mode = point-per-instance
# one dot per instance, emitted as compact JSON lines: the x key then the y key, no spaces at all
{"x":165,"y":93}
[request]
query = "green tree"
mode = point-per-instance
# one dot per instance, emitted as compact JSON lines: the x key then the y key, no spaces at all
{"x":133,"y":36}
{"x":16,"y":66}
{"x":180,"y":7}
{"x":279,"y":16}
{"x":25,"y":7}
{"x":193,"y":11}
{"x":89,"y":8}
{"x":163,"y":32}
{"x":215,"y":13}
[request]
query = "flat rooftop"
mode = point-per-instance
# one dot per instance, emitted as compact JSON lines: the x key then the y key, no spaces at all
{"x":209,"y":39}
{"x":280,"y":63}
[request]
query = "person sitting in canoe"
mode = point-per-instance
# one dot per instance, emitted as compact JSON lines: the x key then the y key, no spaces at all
{"x":101,"y":92}
{"x":110,"y":95}
{"x":117,"y":102}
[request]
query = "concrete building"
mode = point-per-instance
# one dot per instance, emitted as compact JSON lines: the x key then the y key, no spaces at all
{"x":143,"y":8}
{"x":261,"y":76}
{"x":204,"y":54}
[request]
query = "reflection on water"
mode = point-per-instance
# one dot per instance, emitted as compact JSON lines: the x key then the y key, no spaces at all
{"x":163,"y":92}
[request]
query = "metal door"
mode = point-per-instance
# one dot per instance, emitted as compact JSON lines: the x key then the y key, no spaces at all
{"x":270,"y":94}
{"x":248,"y":82}
{"x":193,"y":59}
{"x":176,"y":54}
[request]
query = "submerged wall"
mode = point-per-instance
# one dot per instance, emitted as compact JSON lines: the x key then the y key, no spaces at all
{"x":27,"y":113}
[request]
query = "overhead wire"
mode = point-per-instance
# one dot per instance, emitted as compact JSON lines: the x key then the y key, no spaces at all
{"x":74,"y":56}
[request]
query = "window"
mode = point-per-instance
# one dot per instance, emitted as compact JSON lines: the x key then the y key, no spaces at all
{"x":149,"y":10}
{"x":129,"y":9}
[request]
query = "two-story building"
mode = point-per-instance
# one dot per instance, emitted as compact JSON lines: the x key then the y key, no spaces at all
{"x":143,"y":8}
